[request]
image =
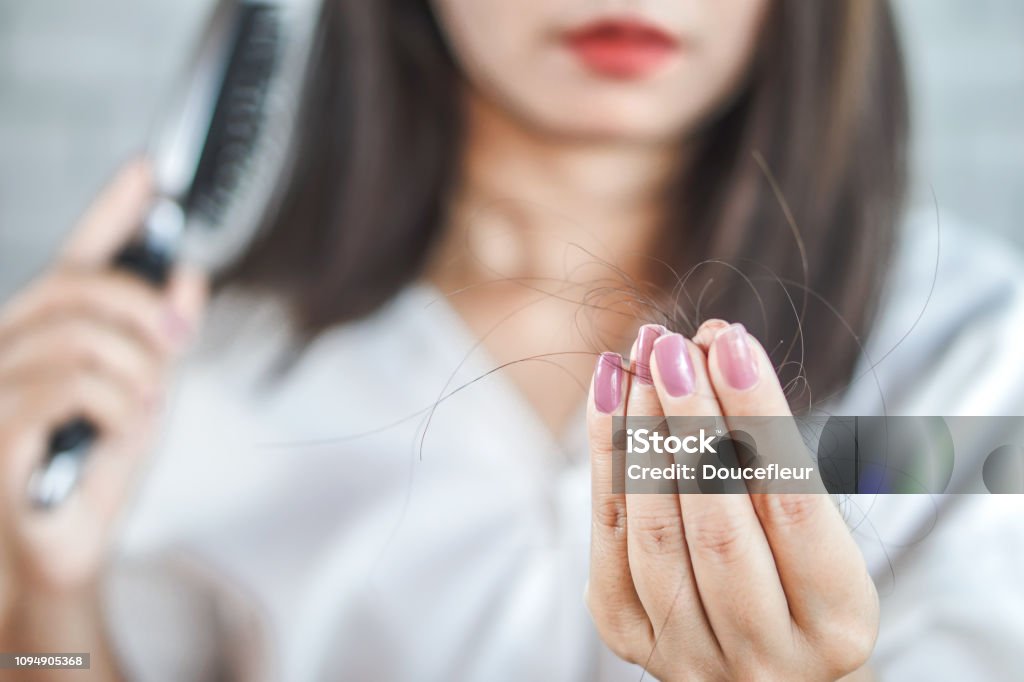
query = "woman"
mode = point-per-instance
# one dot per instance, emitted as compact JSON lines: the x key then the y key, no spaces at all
{"x":482,"y":185}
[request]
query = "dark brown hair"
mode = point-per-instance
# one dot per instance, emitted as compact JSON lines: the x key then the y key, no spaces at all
{"x":783,"y":218}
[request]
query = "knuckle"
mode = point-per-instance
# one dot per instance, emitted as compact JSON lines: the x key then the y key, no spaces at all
{"x":657,"y":534}
{"x":625,"y":631}
{"x":610,"y":514}
{"x":601,"y":447}
{"x":622,"y":635}
{"x":624,"y":645}
{"x":788,"y":510}
{"x":718,"y":537}
{"x":848,"y":649}
{"x":846,"y":644}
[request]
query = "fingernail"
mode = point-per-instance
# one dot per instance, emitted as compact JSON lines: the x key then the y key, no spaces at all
{"x":735,"y":357}
{"x":674,"y":365}
{"x":608,"y":382}
{"x":649,"y":333}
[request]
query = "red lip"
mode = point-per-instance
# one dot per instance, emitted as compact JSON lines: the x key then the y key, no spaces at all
{"x":621,"y":48}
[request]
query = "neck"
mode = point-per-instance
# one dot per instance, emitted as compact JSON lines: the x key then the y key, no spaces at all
{"x":540,"y":229}
{"x":546,"y":208}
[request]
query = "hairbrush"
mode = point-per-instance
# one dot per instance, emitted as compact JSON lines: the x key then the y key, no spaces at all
{"x":217,"y":156}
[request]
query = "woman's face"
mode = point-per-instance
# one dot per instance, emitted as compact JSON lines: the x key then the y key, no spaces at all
{"x":619,"y":69}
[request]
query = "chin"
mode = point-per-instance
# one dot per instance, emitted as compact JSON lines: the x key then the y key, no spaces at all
{"x":607,"y":118}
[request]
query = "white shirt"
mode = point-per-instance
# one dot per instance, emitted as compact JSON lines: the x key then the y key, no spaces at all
{"x":309,"y":527}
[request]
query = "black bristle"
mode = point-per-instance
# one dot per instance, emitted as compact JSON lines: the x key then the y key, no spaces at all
{"x":239,"y":112}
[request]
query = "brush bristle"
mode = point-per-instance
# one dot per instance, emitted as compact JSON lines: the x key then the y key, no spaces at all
{"x":238,"y":117}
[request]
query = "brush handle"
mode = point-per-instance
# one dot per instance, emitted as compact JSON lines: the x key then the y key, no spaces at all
{"x":151,"y":258}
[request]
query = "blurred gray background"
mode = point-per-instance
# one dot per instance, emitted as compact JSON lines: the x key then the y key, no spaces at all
{"x":80,"y":83}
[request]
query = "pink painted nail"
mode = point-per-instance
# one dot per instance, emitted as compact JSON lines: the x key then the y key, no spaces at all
{"x":736,"y":360}
{"x":674,"y":365}
{"x":608,"y":382}
{"x":649,"y":333}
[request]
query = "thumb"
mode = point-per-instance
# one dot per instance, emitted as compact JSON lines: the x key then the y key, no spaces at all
{"x":113,"y":217}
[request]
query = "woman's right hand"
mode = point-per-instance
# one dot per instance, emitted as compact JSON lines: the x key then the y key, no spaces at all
{"x":83,"y":340}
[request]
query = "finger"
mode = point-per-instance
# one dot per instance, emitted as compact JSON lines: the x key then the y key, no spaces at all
{"x":86,"y":515}
{"x":111,"y":219}
{"x":680,"y":379}
{"x":96,"y":501}
{"x":821,"y":569}
{"x":706,"y":333}
{"x":654,"y":526}
{"x":742,"y":375}
{"x":658,"y":559}
{"x":611,"y":597}
{"x":754,"y":404}
{"x":731,"y":559}
{"x":87,"y":342}
{"x":47,"y":401}
{"x":114,"y":297}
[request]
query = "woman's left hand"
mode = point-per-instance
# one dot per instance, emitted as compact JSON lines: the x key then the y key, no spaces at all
{"x":718,"y":586}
